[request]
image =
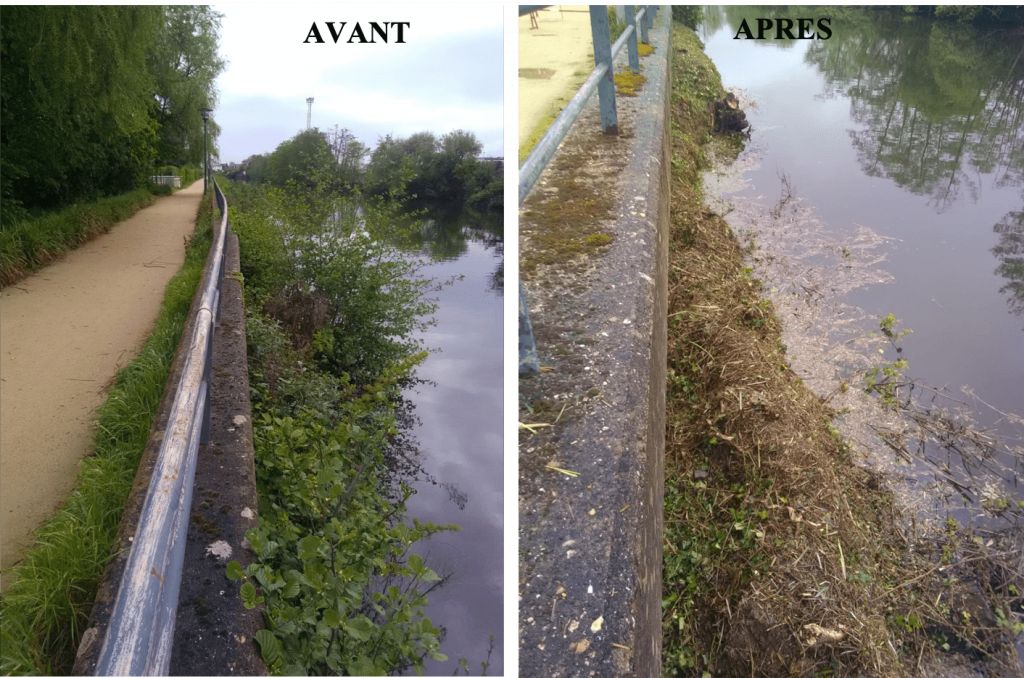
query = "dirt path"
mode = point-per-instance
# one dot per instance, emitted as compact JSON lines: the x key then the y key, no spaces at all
{"x":554,"y":60}
{"x":64,"y":333}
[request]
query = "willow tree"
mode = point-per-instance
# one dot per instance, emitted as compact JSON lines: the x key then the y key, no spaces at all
{"x":185,"y":65}
{"x":77,"y":101}
{"x":91,"y":98}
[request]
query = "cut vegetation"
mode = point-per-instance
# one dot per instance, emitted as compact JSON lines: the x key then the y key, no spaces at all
{"x":782,"y":556}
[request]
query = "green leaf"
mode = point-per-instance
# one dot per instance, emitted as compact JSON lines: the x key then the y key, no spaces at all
{"x":332,"y":618}
{"x":360,"y":628}
{"x":249,"y":595}
{"x":270,"y":649}
{"x":234,"y":571}
{"x":363,"y":666}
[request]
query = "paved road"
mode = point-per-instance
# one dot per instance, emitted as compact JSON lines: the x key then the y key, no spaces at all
{"x":64,"y":333}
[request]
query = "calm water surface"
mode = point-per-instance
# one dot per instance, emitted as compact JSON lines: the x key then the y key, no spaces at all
{"x":459,"y":435}
{"x":885,"y":174}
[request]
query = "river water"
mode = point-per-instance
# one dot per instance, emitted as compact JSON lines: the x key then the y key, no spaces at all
{"x":457,"y":428}
{"x":885,"y":174}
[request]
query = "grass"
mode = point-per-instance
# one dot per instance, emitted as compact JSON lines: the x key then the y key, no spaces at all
{"x":573,"y":214}
{"x":46,"y":607}
{"x":527,"y":145}
{"x":30,"y":244}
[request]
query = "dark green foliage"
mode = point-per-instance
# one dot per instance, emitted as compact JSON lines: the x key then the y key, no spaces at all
{"x":32,"y":243}
{"x":688,"y":15}
{"x":332,"y":312}
{"x":310,"y":260}
{"x":343,"y":595}
{"x":979,"y":15}
{"x":45,"y":608}
{"x":91,"y":98}
{"x":331,"y":160}
{"x":305,"y":159}
{"x":430,"y":169}
{"x":76,"y":112}
{"x":422,"y":168}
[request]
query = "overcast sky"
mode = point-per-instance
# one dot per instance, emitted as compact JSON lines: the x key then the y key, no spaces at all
{"x":447,"y":75}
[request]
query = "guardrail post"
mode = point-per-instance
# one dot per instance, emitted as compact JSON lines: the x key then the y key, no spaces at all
{"x":634,"y":53}
{"x":645,"y":23}
{"x":601,"y":33}
{"x":528,"y":362}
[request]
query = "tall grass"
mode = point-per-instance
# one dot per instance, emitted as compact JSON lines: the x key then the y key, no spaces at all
{"x":32,"y":243}
{"x":46,"y":607}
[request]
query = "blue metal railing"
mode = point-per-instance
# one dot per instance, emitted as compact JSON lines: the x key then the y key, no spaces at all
{"x":600,"y":80}
{"x":139,"y":635}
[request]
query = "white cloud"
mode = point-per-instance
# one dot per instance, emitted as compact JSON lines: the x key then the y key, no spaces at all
{"x":446,"y":76}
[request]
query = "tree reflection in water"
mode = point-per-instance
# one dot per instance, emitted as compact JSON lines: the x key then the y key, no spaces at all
{"x":940,"y":105}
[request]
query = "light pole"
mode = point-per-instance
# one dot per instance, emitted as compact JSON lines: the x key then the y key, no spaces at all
{"x":205,"y":112}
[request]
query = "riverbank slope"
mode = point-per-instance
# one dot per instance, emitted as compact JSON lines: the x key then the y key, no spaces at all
{"x":781,"y":554}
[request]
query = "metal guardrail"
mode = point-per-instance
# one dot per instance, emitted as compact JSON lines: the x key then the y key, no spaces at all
{"x":139,"y":635}
{"x":167,"y":180}
{"x":601,"y":80}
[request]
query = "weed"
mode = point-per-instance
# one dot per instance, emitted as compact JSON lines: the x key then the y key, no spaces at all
{"x":628,"y":83}
{"x":886,"y":378}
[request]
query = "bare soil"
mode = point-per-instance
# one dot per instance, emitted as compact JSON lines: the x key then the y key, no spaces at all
{"x":65,"y":333}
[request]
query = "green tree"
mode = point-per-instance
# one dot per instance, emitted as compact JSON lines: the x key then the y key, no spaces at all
{"x":349,"y":154}
{"x":389,"y":169}
{"x":76,"y":103}
{"x":93,"y":98}
{"x":185,"y":65}
{"x":305,"y":159}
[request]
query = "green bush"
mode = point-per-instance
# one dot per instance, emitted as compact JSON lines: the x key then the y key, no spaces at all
{"x":343,"y":594}
{"x":688,"y":15}
{"x":310,"y":259}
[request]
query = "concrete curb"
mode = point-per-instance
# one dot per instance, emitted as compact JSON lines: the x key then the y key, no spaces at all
{"x":92,"y":638}
{"x":591,"y":545}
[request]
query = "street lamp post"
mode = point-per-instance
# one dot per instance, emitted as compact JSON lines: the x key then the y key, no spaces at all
{"x":205,"y":112}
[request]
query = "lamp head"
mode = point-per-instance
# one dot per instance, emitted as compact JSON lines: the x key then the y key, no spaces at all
{"x":205,"y":112}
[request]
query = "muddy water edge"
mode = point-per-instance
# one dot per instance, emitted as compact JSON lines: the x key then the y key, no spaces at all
{"x":792,"y":543}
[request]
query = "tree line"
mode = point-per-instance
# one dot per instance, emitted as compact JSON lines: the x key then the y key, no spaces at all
{"x":93,"y":99}
{"x":423,"y":168}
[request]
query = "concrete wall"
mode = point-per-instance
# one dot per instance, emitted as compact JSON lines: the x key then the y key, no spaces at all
{"x":591,"y":539}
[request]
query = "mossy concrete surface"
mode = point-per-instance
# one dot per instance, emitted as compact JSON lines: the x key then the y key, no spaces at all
{"x":593,"y":246}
